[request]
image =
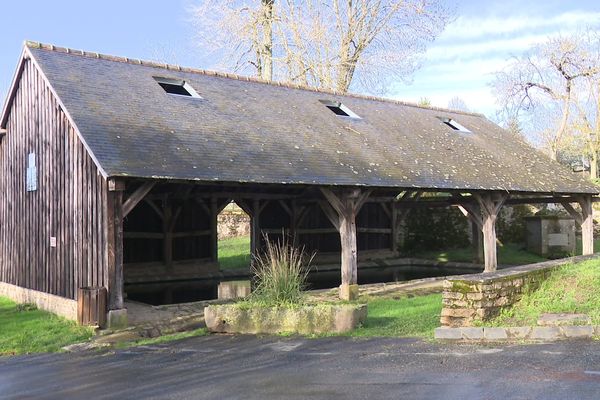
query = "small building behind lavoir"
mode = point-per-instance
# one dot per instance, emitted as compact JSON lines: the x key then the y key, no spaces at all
{"x":114,"y":170}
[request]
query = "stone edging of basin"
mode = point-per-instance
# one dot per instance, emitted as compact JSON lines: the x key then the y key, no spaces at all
{"x":516,"y":333}
{"x":307,"y":319}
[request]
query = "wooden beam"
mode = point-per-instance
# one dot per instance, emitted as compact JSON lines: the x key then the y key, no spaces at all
{"x":115,"y":249}
{"x":156,"y":209}
{"x":137,"y":196}
{"x":116,"y":185}
{"x":587,"y":224}
{"x":585,"y":219}
{"x":168,"y":232}
{"x":477,"y":243}
{"x":342,"y":208}
{"x":214,"y":236}
{"x":490,"y":205}
{"x":255,"y":228}
{"x":573,"y":213}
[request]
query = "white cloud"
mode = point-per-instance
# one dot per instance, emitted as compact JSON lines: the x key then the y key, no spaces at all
{"x":514,"y":45}
{"x":476,"y":27}
{"x":465,"y":57}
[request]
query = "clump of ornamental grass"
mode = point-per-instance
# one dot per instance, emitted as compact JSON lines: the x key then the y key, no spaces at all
{"x":280,"y":274}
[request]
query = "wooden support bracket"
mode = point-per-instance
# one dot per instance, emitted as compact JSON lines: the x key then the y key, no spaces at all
{"x":585,"y":219}
{"x":137,"y":196}
{"x":341,"y":208}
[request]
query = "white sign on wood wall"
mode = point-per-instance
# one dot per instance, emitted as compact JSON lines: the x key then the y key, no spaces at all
{"x":31,"y":173}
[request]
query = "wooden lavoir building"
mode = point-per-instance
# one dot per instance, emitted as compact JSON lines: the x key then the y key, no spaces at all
{"x":113,"y":168}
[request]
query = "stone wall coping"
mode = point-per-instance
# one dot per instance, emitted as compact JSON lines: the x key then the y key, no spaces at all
{"x":517,"y":333}
{"x":516,"y":272}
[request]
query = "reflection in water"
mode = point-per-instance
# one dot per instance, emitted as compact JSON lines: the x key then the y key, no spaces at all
{"x":206,"y":289}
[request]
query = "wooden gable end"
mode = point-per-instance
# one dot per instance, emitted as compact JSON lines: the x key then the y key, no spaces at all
{"x":53,"y":199}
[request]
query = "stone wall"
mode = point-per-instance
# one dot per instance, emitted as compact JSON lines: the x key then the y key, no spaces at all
{"x":481,"y":297}
{"x":62,"y":306}
{"x":233,"y":223}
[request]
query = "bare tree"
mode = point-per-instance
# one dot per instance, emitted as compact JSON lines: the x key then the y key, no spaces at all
{"x":239,"y":32}
{"x":546,"y":77}
{"x":587,"y":125}
{"x":327,"y":44}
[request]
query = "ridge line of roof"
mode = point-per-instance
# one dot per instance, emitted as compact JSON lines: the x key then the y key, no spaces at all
{"x":178,"y":68}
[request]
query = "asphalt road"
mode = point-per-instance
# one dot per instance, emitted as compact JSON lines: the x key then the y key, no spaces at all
{"x":243,"y":367}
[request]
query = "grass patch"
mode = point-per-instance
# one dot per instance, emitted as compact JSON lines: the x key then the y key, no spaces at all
{"x":234,"y":253}
{"x":509,"y":254}
{"x":405,"y":317}
{"x":164,"y":339}
{"x":26,"y":330}
{"x":570,"y":289}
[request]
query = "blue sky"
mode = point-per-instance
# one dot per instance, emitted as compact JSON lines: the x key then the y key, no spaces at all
{"x":460,"y":63}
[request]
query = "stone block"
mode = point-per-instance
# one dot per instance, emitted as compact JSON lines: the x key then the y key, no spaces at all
{"x":448,"y":333}
{"x":578,"y":332}
{"x":545,"y":333}
{"x":348,"y":292}
{"x":309,"y":319}
{"x":117,"y":319}
{"x":494,"y":334}
{"x":233,"y":290}
{"x":475,"y":296}
{"x":453,"y":295}
{"x":518,"y":332}
{"x":457,"y":312}
{"x":472,"y":333}
{"x":564,"y":319}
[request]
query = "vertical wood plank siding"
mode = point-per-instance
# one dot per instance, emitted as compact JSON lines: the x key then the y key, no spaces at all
{"x":69,"y":203}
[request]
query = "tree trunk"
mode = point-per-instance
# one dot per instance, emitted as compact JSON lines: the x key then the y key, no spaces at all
{"x":594,"y":165}
{"x":267,"y":43}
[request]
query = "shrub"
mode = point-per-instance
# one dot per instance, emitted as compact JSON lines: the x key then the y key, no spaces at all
{"x":280,"y":274}
{"x":435,"y":229}
{"x":511,"y":224}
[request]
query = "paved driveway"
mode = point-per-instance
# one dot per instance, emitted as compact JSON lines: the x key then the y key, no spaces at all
{"x":243,"y":367}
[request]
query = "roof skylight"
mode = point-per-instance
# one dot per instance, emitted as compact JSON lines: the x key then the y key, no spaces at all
{"x":339,"y":109}
{"x":454,"y":125}
{"x":176,"y":87}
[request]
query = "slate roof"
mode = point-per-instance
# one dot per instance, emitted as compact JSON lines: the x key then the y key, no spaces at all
{"x":250,"y":131}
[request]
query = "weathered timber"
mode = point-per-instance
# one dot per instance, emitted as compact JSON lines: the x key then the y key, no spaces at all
{"x":585,"y":219}
{"x":44,"y":231}
{"x":341,"y":208}
{"x":115,"y":249}
{"x":137,"y":196}
{"x":489,"y":206}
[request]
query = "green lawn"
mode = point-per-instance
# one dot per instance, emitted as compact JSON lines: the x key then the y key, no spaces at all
{"x":510,"y":254}
{"x":405,"y":317}
{"x":234,"y":253}
{"x":24,"y":329}
{"x":571,"y":289}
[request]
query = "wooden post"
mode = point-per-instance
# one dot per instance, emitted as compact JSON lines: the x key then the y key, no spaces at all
{"x":395,"y":228}
{"x":587,"y":224}
{"x":214,"y":240}
{"x":255,"y":228}
{"x":585,"y":219}
{"x":115,"y":245}
{"x":341,"y":210}
{"x":168,"y":232}
{"x":477,"y":243}
{"x":490,"y":204}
